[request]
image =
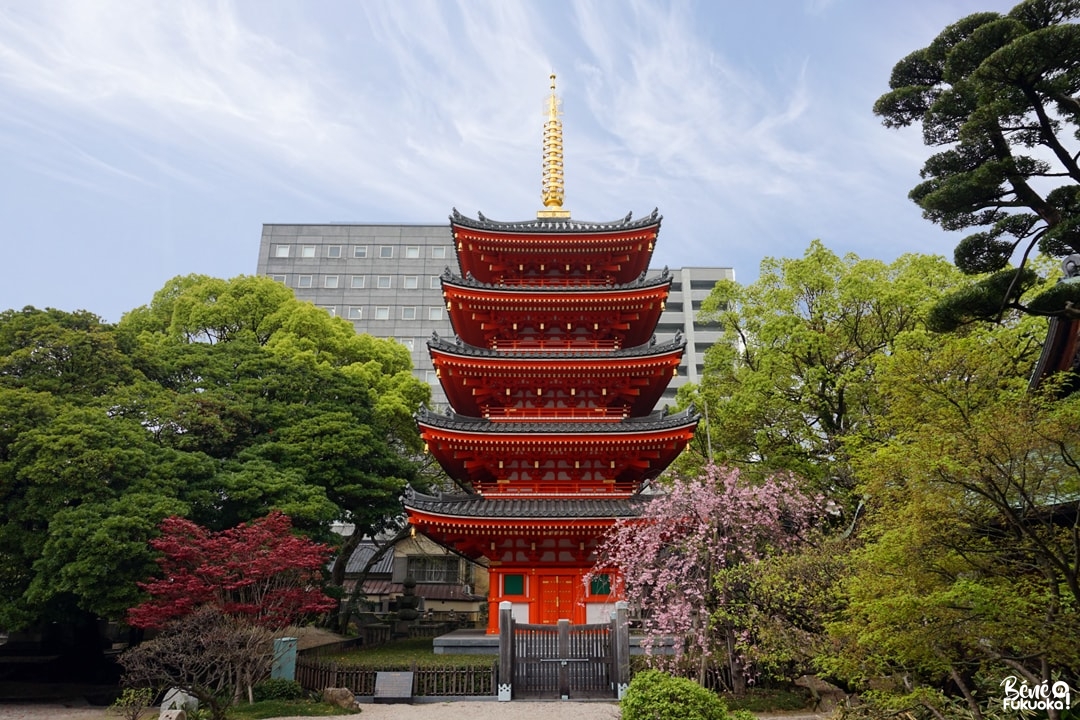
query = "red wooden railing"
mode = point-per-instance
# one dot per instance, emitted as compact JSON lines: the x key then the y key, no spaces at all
{"x":527,"y":414}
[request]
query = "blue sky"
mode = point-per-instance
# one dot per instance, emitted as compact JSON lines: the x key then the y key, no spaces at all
{"x":145,"y":139}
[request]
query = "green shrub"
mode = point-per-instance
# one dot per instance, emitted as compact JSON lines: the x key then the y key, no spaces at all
{"x":133,"y":703}
{"x":654,"y":695}
{"x":278,"y":689}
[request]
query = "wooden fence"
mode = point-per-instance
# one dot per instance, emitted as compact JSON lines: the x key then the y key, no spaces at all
{"x":316,"y":674}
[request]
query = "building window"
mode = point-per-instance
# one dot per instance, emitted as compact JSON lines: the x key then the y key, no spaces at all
{"x":408,"y":342}
{"x":330,"y":309}
{"x":438,"y":252}
{"x":600,"y":585}
{"x":434,"y":282}
{"x":412,"y":252}
{"x":386,"y":251}
{"x":333,"y":251}
{"x":303,"y":281}
{"x":434,"y":313}
{"x":356,"y":313}
{"x":444,"y":569}
{"x":383,"y":282}
{"x":513,"y":584}
{"x":330,"y":281}
{"x":431,"y":378}
{"x":356,"y":282}
{"x":307,"y":251}
{"x":281,"y":251}
{"x":359,"y":251}
{"x":410,"y":282}
{"x":278,"y":278}
{"x":408,"y":313}
{"x":382,"y":313}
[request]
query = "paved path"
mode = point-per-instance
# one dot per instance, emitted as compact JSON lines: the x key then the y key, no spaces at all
{"x":486,"y":710}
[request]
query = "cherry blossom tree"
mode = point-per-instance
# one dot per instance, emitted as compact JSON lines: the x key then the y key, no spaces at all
{"x":667,"y":562}
{"x":260,"y":571}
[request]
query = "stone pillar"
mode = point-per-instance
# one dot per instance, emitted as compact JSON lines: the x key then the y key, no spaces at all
{"x":506,"y":651}
{"x":621,"y":648}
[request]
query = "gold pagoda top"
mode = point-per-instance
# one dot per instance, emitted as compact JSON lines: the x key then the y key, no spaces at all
{"x":552,"y":184}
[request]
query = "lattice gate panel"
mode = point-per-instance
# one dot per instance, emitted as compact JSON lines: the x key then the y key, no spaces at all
{"x":534,"y":674}
{"x":590,"y":660}
{"x":552,"y":661}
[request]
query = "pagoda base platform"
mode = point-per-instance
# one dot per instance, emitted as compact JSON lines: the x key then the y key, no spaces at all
{"x":469,"y":641}
{"x":475,"y":641}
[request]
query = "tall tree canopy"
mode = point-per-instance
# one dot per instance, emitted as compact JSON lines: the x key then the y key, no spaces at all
{"x":792,"y":378}
{"x":961,"y":569}
{"x":968,"y":570}
{"x":997,"y":94}
{"x":217,"y":402}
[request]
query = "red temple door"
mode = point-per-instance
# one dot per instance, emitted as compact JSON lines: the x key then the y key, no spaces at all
{"x":556,"y":598}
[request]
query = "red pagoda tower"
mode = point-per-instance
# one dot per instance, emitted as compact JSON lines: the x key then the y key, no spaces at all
{"x":552,"y":381}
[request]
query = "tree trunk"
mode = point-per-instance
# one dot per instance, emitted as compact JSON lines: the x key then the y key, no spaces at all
{"x":976,"y":711}
{"x":348,"y":605}
{"x":738,"y":677}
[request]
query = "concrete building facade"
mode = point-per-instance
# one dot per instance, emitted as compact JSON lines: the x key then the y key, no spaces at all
{"x":384,"y":279}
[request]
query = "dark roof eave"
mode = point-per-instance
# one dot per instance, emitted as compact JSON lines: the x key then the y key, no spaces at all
{"x":644,"y":282}
{"x":556,"y":225}
{"x":539,"y":509}
{"x":655,"y":421}
{"x":646,"y":350}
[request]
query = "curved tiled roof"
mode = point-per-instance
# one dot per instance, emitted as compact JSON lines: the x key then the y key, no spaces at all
{"x":555,"y":225}
{"x":658,"y":420}
{"x":527,"y":509}
{"x":363,"y":553}
{"x":664,"y":278}
{"x":653,"y":348}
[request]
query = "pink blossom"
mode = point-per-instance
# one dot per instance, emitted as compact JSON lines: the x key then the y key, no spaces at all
{"x":666,"y":559}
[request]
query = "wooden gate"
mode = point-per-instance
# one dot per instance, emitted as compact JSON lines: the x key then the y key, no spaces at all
{"x":563,"y":660}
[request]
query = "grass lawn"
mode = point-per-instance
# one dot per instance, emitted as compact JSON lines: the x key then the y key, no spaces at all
{"x":402,"y":654}
{"x":283,"y":708}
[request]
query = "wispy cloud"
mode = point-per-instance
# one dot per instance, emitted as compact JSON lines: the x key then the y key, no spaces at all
{"x":749,"y":126}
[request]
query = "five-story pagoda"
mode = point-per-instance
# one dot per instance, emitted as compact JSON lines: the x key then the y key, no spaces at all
{"x":552,"y":381}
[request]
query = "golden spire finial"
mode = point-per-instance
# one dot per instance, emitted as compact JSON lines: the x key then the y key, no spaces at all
{"x":552,"y":185}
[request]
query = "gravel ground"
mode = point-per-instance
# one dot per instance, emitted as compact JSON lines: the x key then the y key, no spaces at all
{"x":487,"y":710}
{"x":47,"y":711}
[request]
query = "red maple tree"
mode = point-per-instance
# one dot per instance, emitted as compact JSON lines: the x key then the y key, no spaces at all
{"x":258,"y":570}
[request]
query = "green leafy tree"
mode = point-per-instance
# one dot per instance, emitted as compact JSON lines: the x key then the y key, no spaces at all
{"x":219,"y":402}
{"x":82,"y":496}
{"x":968,"y":571}
{"x":792,"y":378}
{"x":997,"y":95}
{"x":74,"y":355}
{"x":295,"y":389}
{"x":782,"y":603}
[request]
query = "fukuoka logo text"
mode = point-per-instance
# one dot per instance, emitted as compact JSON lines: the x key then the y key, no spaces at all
{"x":1043,"y":696}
